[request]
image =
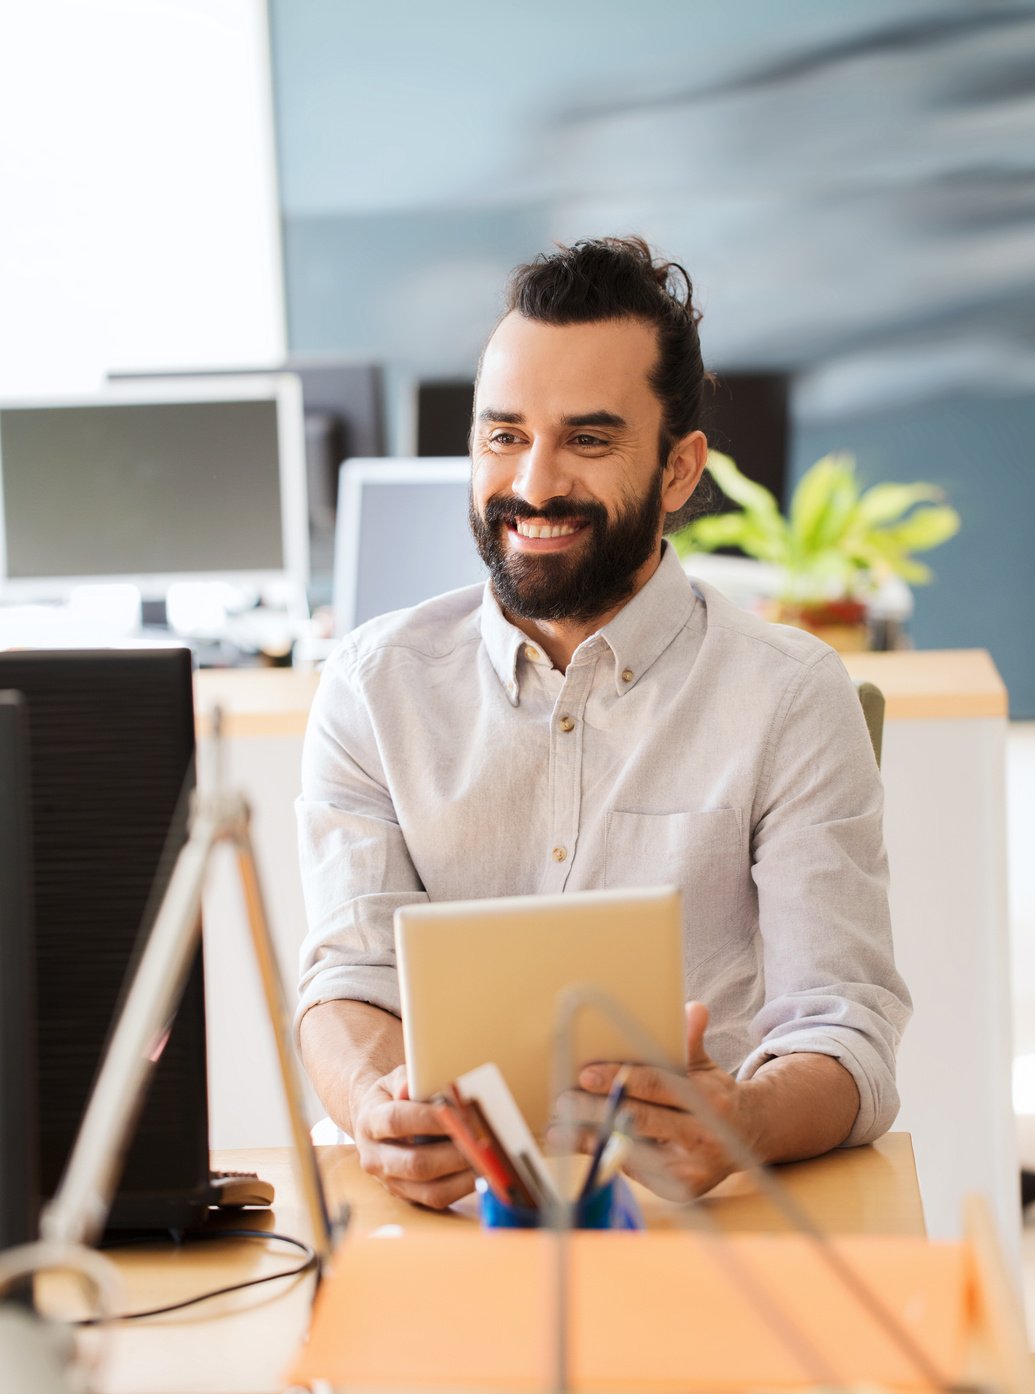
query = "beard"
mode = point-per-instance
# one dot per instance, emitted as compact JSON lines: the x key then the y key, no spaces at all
{"x":599,"y":572}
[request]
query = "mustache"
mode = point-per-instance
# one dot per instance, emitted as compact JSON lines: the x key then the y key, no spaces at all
{"x":505,"y":508}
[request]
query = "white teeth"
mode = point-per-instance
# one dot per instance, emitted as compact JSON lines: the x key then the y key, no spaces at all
{"x":526,"y":528}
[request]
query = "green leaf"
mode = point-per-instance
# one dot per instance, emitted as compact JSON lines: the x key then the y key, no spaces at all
{"x":883,"y":503}
{"x":839,"y":515}
{"x":753,"y":498}
{"x":924,"y":529}
{"x":718,"y":530}
{"x":821,"y":501}
{"x":764,"y":539}
{"x":914,"y":572}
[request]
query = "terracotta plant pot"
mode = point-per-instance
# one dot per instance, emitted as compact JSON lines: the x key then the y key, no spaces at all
{"x":839,"y":623}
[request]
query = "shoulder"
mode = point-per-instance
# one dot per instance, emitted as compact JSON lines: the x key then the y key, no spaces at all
{"x":432,"y":631}
{"x":778,"y":645}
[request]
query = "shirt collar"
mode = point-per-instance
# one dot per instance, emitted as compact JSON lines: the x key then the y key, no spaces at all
{"x":637,"y":636}
{"x":503,"y":642}
{"x":643,"y":629}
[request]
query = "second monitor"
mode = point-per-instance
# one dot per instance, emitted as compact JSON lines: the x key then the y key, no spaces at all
{"x":402,"y":536}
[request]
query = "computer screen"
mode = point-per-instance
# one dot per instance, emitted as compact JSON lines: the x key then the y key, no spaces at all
{"x":155,"y":483}
{"x":344,"y":404}
{"x":747,"y":416}
{"x":402,"y":536}
{"x":444,"y":416}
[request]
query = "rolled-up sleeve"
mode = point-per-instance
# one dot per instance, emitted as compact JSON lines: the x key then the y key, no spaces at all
{"x":356,"y":868}
{"x":820,"y":870}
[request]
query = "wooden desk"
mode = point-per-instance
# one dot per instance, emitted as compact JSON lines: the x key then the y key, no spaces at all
{"x":240,"y":1343}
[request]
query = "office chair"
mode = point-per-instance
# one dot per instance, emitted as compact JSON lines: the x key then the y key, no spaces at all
{"x":872,"y":700}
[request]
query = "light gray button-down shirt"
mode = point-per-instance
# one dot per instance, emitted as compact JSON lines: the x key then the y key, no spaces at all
{"x":688,"y":743}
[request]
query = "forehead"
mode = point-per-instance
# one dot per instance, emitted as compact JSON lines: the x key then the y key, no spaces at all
{"x":556,"y":369}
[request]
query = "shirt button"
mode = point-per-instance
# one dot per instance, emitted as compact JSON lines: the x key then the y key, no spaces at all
{"x":559,"y":854}
{"x":566,"y":723}
{"x":627,"y":675}
{"x":530,"y":653}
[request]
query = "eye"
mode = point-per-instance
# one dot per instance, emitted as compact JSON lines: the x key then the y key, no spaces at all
{"x":502,"y":438}
{"x":586,"y":440}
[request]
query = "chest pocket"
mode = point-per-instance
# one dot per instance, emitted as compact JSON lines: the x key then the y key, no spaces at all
{"x":705,"y":855}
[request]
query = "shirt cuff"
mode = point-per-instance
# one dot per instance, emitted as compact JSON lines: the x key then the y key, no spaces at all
{"x":376,"y":985}
{"x":878,"y":1096}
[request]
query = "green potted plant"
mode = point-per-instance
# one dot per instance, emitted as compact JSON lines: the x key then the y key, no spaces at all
{"x":837,"y":545}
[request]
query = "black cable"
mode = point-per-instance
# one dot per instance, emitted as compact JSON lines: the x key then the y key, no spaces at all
{"x":311,"y":1261}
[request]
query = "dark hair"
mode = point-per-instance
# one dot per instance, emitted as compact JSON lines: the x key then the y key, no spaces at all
{"x":618,"y":278}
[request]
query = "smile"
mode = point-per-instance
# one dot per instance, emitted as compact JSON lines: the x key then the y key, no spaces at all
{"x":529,"y":527}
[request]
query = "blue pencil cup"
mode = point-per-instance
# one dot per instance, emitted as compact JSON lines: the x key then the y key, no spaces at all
{"x":611,"y":1207}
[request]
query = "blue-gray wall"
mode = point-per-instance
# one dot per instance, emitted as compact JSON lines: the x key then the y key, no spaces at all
{"x":424,"y":151}
{"x":981,"y":450}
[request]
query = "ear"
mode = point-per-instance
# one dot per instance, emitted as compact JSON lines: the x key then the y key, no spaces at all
{"x":683,"y":470}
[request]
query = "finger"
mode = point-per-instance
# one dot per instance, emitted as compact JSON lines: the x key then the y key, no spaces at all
{"x":649,"y":1166}
{"x":696,"y":1025}
{"x":398,"y":1120}
{"x":662,"y":1126}
{"x":429,"y":1162}
{"x":437,"y":1194}
{"x":599,"y":1077}
{"x":576,"y":1108}
{"x":568,"y":1138}
{"x":654,"y":1086}
{"x":645,"y":1165}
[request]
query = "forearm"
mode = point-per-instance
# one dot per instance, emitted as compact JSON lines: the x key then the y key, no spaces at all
{"x":797,"y":1106}
{"x":347,"y":1046}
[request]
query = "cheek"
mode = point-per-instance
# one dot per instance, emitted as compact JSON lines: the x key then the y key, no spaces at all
{"x":489,"y":477}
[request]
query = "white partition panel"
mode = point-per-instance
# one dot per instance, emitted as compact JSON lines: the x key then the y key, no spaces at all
{"x":945,"y":826}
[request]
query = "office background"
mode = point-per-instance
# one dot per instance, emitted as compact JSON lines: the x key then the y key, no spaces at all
{"x":218,"y":182}
{"x":850,"y":186}
{"x":221,"y":182}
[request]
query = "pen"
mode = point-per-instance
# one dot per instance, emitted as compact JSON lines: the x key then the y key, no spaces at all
{"x":477,"y":1154}
{"x":614,"y":1102}
{"x":618,"y":1147}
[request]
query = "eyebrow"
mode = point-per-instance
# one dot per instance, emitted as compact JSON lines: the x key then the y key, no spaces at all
{"x":587,"y":418}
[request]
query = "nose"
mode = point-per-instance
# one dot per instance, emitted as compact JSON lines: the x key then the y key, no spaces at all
{"x":540,"y":474}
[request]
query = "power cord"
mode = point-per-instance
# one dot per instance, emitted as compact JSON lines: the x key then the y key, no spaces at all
{"x":310,"y":1261}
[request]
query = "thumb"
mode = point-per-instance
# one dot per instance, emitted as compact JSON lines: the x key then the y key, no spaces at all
{"x":696,"y":1025}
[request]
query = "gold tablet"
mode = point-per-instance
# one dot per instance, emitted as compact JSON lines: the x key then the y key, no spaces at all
{"x":485,"y":980}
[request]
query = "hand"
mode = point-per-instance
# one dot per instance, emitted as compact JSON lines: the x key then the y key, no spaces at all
{"x":674,"y":1154}
{"x":385,"y":1123}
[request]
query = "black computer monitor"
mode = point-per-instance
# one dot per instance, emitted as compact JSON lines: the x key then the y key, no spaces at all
{"x":19,"y":1190}
{"x":111,"y":766}
{"x":747,"y":417}
{"x":444,"y":408}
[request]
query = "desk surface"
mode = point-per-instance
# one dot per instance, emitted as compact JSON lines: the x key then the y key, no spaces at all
{"x":240,"y":1343}
{"x":917,"y":685}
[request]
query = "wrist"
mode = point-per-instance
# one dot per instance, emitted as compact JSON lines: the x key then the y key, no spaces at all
{"x":750,"y":1117}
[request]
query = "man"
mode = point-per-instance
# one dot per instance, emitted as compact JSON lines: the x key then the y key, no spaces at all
{"x":591,"y":720}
